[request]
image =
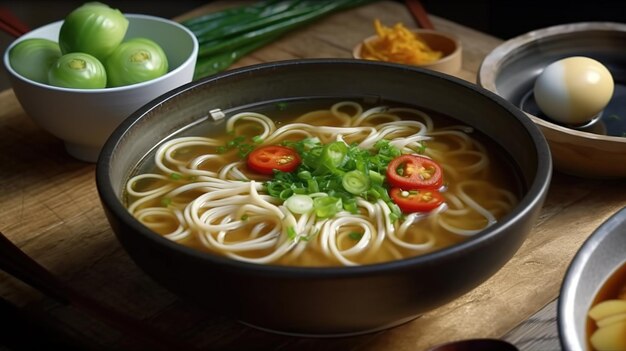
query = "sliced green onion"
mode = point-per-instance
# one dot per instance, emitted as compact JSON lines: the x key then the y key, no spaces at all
{"x":384,"y":195}
{"x":299,"y":204}
{"x":305,"y":175}
{"x":333,"y":155}
{"x":291,"y":233}
{"x":313,"y":186}
{"x":236,"y":141}
{"x":376,"y":192}
{"x":356,"y":182}
{"x":327,"y":206}
{"x":300,"y":191}
{"x":355,"y":235}
{"x":396,"y":213}
{"x":310,"y":143}
{"x":166,"y":201}
{"x":176,"y":176}
{"x":376,"y":178}
{"x":422,"y":148}
{"x":340,"y":171}
{"x":285,"y":194}
{"x":350,"y":206}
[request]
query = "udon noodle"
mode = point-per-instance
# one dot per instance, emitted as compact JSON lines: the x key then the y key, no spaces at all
{"x":202,"y":194}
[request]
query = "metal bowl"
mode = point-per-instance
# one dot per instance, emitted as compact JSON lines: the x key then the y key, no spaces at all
{"x":511,"y":69}
{"x":336,"y":300}
{"x":599,"y":256}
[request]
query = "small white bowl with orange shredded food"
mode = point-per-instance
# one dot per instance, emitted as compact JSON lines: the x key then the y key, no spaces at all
{"x":425,"y":48}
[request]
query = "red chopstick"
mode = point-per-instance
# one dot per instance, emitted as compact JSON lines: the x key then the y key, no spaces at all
{"x":10,"y":24}
{"x":419,"y":13}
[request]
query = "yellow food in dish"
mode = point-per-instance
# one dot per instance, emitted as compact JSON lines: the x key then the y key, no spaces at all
{"x":606,"y":328}
{"x":398,"y":44}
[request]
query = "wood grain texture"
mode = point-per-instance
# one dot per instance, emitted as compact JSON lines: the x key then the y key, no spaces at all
{"x":49,"y":207}
{"x":537,"y":333}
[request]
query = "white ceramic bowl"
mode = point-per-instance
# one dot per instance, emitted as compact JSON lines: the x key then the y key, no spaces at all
{"x":84,"y":118}
{"x":596,"y":260}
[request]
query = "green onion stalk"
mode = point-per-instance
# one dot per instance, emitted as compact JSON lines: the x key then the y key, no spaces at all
{"x":226,"y":36}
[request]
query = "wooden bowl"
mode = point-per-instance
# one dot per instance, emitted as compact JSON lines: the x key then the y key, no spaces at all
{"x":511,"y":69}
{"x":449,"y":45}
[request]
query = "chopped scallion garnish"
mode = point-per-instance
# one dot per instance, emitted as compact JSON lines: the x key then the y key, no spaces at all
{"x":299,"y":204}
{"x":327,"y":206}
{"x":339,"y":170}
{"x":422,"y":148}
{"x":291,"y":233}
{"x":166,"y":201}
{"x":355,"y":236}
{"x":356,"y":182}
{"x":176,"y":176}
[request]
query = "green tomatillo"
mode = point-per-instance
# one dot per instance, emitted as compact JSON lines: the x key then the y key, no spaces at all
{"x":32,"y":58}
{"x":134,"y":61}
{"x":78,"y":70}
{"x":93,"y":28}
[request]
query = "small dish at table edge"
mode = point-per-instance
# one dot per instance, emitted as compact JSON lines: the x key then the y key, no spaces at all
{"x":449,"y":45}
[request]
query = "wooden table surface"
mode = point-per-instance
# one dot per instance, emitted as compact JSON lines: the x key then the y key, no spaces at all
{"x":49,"y":207}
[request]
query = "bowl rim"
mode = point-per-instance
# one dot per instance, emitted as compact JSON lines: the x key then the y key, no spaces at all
{"x":536,"y":191}
{"x":458,"y":47}
{"x":492,"y":63}
{"x":180,"y":67}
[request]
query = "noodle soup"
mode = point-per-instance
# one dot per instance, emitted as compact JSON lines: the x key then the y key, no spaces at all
{"x":337,"y":205}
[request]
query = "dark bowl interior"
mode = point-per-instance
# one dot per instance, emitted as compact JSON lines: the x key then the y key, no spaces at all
{"x":330,"y":301}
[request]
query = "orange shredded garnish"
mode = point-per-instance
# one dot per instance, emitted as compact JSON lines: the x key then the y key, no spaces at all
{"x":398,"y":44}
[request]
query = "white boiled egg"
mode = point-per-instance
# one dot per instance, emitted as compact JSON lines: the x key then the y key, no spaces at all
{"x":573,"y":90}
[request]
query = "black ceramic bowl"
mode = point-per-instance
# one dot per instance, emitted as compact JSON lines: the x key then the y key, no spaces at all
{"x":325,"y":301}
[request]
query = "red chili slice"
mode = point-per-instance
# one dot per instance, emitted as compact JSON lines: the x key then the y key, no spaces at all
{"x":423,"y":200}
{"x":266,"y":159}
{"x":410,"y":172}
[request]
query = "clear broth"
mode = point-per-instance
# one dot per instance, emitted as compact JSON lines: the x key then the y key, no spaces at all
{"x":502,"y":172}
{"x":613,"y":288}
